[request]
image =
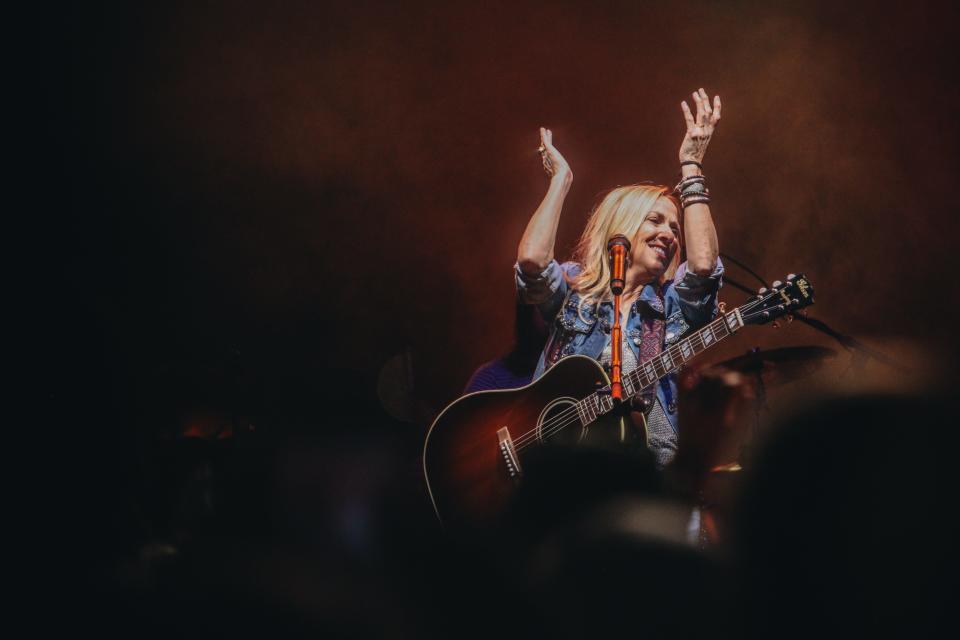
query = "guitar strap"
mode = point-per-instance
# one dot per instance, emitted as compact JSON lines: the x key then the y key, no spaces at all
{"x":651,"y":338}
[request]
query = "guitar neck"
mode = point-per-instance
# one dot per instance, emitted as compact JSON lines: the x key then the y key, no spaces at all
{"x":669,"y":360}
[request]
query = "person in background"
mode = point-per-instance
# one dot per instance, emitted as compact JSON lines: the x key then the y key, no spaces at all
{"x":515,"y":368}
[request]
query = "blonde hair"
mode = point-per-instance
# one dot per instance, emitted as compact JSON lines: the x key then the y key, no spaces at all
{"x":622,"y":210}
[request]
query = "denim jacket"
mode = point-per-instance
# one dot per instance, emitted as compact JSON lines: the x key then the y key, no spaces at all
{"x":689,"y":303}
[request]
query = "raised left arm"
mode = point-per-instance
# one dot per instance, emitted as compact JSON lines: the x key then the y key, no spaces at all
{"x":700,"y":236}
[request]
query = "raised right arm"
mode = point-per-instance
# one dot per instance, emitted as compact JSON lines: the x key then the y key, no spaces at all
{"x":536,"y":247}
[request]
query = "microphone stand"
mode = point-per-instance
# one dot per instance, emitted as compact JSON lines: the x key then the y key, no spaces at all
{"x":618,"y":248}
{"x":616,"y":353}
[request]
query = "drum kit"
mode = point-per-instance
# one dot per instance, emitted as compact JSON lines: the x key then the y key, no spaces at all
{"x":760,"y":370}
{"x":763,"y":369}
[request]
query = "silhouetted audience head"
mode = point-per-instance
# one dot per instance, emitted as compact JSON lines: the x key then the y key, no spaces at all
{"x":843,"y":523}
{"x":600,"y":548}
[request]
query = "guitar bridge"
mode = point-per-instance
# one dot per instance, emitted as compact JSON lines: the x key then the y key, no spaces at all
{"x":509,"y":453}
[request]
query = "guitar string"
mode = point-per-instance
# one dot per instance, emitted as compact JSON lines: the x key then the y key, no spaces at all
{"x":530,"y":437}
{"x":745,"y":311}
{"x":570,"y":416}
{"x":555,"y":426}
{"x":566,"y":418}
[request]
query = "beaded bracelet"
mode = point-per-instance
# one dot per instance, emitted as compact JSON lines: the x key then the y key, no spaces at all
{"x":693,"y":190}
{"x":686,"y":182}
{"x":686,"y":202}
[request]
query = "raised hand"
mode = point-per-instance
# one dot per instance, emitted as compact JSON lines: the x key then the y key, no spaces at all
{"x":701,"y":128}
{"x":553,"y":163}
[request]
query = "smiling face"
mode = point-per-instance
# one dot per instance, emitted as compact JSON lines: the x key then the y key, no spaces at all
{"x":658,"y":239}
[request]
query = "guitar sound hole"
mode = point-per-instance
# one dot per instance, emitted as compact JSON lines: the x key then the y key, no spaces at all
{"x":559,"y":423}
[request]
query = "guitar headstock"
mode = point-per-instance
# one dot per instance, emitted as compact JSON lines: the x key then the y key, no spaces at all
{"x":781,"y":299}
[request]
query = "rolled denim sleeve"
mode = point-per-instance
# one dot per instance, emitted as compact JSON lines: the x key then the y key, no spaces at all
{"x":545,"y":290}
{"x":697,"y":294}
{"x":540,"y":288}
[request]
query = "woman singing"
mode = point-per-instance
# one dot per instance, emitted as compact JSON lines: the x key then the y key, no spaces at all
{"x":662,"y":300}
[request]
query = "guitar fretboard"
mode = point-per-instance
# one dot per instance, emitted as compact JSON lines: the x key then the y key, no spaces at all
{"x":669,"y":360}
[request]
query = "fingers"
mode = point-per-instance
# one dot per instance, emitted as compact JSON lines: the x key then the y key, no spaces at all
{"x":547,"y":164}
{"x":697,"y":100}
{"x":546,"y":148}
{"x":707,"y":111}
{"x":706,"y":115}
{"x":546,"y":137}
{"x":687,"y":115}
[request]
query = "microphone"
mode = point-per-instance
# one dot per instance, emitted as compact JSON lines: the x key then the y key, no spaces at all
{"x":618,"y":251}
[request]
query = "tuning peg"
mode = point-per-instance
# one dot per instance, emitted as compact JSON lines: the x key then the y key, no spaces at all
{"x":761,"y":291}
{"x":777,"y":284}
{"x":791,"y":277}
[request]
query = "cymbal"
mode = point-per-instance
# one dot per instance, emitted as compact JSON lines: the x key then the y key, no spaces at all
{"x":779,"y":366}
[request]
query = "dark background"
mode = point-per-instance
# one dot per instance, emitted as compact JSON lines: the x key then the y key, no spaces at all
{"x":268,"y":201}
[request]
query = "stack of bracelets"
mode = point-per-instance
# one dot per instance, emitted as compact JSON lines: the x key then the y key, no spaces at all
{"x":693,"y":189}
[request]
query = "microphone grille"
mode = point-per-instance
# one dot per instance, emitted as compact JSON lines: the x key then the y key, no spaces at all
{"x":618,"y":239}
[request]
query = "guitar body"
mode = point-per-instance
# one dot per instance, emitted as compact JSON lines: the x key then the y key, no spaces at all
{"x":470,"y":475}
